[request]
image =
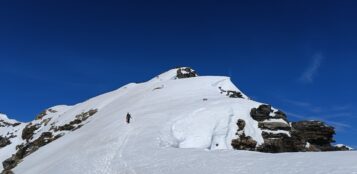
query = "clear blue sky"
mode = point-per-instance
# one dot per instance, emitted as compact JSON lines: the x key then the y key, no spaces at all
{"x":299,"y":56}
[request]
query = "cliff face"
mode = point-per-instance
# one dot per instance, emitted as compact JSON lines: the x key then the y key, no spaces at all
{"x":280,"y":135}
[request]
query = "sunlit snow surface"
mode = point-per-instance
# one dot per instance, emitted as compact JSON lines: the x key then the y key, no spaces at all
{"x":173,"y":131}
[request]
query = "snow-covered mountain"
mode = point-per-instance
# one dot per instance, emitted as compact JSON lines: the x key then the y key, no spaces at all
{"x":181,"y":123}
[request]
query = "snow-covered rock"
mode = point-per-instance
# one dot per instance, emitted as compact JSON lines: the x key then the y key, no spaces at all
{"x":181,"y":123}
{"x":343,"y":147}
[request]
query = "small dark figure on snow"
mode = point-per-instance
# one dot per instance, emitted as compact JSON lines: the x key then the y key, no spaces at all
{"x":128,"y":117}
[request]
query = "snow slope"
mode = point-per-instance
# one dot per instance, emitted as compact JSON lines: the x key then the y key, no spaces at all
{"x":179,"y":126}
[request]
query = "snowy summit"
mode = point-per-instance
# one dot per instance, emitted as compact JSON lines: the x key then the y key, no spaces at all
{"x":176,"y":123}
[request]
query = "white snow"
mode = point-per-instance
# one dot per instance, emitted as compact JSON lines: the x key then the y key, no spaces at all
{"x":275,"y":120}
{"x":173,"y":131}
{"x":7,"y":119}
{"x":307,"y":145}
{"x":278,"y":131}
{"x":342,"y":145}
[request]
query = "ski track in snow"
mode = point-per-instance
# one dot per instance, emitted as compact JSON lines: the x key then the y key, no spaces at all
{"x":119,"y":153}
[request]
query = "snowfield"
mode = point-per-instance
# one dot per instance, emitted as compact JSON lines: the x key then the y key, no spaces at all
{"x":182,"y":126}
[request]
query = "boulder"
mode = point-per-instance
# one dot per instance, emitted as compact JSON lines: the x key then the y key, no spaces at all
{"x":10,"y":163}
{"x":240,"y":124}
{"x":261,"y":113}
{"x":4,"y":141}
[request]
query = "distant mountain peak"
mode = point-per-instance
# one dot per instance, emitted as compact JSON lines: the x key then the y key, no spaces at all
{"x":176,"y":73}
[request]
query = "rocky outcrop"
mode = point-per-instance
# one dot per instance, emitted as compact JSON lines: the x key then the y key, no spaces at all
{"x":265,"y":112}
{"x":281,"y":143}
{"x":7,"y":124}
{"x":230,"y":93}
{"x":281,"y":136}
{"x":28,"y":131}
{"x":76,"y":123}
{"x":316,"y":133}
{"x":32,"y":144}
{"x":341,"y":147}
{"x":9,"y":163}
{"x":185,"y":72}
{"x":26,"y":149}
{"x":4,"y":141}
{"x":243,"y":142}
{"x":44,"y":113}
{"x":261,"y":113}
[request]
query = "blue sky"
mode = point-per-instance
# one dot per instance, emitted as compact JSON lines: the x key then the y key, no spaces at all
{"x":299,"y":56}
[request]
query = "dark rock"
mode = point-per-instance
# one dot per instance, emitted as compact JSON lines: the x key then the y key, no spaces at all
{"x":280,"y":114}
{"x":342,"y":148}
{"x":15,"y":124}
{"x":284,"y":144}
{"x":75,"y":124}
{"x":230,"y":93}
{"x":51,"y":110}
{"x":314,"y":132}
{"x":267,"y":135}
{"x":28,"y":131}
{"x":44,"y":139}
{"x":186,"y":73}
{"x":9,"y":163}
{"x":7,"y":172}
{"x":305,"y":136}
{"x":24,"y":150}
{"x":85,"y":115}
{"x":44,"y":113}
{"x":66,"y":127}
{"x":261,"y":113}
{"x":76,"y":121}
{"x":41,"y":115}
{"x":4,"y":141}
{"x":240,"y":124}
{"x":7,"y":124}
{"x":58,"y":136}
{"x":157,"y":88}
{"x":264,"y":109}
{"x":274,"y":126}
{"x":244,"y":143}
{"x":45,"y":121}
{"x":234,"y":94}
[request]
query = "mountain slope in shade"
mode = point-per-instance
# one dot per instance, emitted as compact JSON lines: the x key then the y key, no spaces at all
{"x":181,"y":123}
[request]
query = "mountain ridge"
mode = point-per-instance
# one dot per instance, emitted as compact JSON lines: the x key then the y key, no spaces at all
{"x":182,"y":110}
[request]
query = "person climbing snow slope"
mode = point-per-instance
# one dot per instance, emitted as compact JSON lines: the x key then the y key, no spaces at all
{"x":128,"y":117}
